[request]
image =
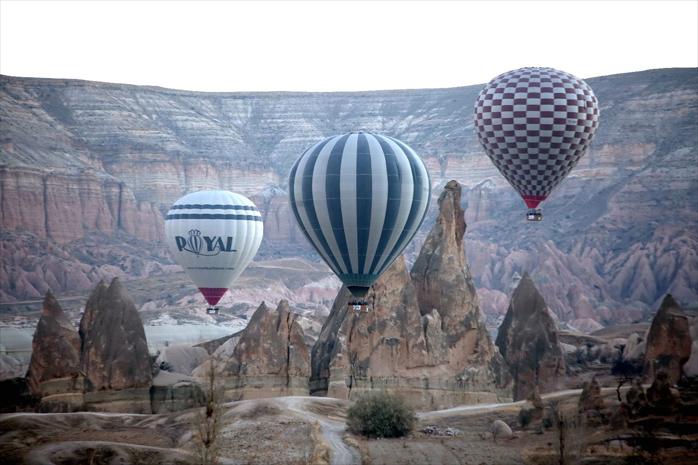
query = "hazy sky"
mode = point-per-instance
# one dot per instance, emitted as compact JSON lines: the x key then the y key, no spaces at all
{"x":234,"y":46}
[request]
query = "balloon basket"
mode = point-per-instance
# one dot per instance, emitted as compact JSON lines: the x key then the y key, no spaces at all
{"x":358,"y":306}
{"x":534,"y":214}
{"x":212,"y":311}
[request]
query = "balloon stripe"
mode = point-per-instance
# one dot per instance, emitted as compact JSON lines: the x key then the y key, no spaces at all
{"x":210,"y":216}
{"x":348,"y":200}
{"x":249,"y":231}
{"x":213,"y":207}
{"x":363,"y":191}
{"x":420,"y":200}
{"x":392,"y":202}
{"x":379,"y":201}
{"x":404,"y":205}
{"x":334,"y":202}
{"x":307,"y":205}
{"x":321,"y":198}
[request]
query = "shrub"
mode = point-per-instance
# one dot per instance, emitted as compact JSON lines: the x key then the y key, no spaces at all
{"x":525,"y":416}
{"x":381,"y":415}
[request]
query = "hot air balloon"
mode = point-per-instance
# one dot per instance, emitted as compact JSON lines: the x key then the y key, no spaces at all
{"x":213,"y":235}
{"x":359,"y":198}
{"x":535,"y":124}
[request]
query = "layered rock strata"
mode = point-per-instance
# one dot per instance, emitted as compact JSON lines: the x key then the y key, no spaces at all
{"x":73,"y":154}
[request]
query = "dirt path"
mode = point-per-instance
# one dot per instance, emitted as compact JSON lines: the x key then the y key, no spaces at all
{"x":332,"y":430}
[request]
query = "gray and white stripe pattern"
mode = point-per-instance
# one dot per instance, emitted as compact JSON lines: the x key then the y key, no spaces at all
{"x":359,"y":198}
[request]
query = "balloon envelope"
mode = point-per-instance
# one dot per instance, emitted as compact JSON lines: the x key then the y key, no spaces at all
{"x":359,"y":198}
{"x":213,"y":235}
{"x":535,"y":124}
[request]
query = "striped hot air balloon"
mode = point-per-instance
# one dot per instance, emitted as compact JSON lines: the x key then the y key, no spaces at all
{"x":535,"y":124}
{"x":359,"y":198}
{"x":213,"y":235}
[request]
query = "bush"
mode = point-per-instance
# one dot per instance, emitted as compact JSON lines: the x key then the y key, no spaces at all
{"x":381,"y":415}
{"x":525,"y":417}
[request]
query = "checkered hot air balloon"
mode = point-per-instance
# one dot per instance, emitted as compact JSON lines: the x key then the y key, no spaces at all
{"x":213,"y":235}
{"x":535,"y":124}
{"x":359,"y":198}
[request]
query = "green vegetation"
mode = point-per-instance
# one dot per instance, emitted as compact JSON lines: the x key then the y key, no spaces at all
{"x":381,"y":415}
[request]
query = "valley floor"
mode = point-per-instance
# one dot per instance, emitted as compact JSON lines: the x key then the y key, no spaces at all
{"x":284,"y":431}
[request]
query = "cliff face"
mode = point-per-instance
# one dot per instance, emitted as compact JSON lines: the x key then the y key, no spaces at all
{"x":528,"y":339}
{"x":83,"y":157}
{"x":66,"y":206}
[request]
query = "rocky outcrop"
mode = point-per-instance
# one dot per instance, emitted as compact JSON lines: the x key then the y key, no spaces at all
{"x":528,"y":339}
{"x":422,"y":336}
{"x":114,"y":352}
{"x":591,"y":404}
{"x":668,"y":342}
{"x":270,"y":359}
{"x":54,"y":371}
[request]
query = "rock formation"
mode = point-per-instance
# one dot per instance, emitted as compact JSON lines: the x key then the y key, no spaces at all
{"x":690,"y":368}
{"x":270,"y":358}
{"x":528,"y":339}
{"x":54,"y":370}
{"x":668,"y":342}
{"x":662,"y":396}
{"x":422,"y":336}
{"x":591,"y":403}
{"x":114,"y":352}
{"x":532,"y":410}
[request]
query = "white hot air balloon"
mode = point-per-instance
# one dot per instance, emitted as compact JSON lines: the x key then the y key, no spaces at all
{"x":213,"y":235}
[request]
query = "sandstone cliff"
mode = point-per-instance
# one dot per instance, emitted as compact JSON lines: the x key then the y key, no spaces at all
{"x":422,"y":336}
{"x":528,"y":339}
{"x":114,"y":352}
{"x":80,"y":158}
{"x":668,"y":342}
{"x":270,"y":358}
{"x":54,"y":370}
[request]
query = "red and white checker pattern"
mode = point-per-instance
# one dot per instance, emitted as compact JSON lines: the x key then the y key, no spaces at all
{"x":535,"y":124}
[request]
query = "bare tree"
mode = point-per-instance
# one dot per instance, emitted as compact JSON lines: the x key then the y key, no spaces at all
{"x":570,"y":434}
{"x":209,"y":419}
